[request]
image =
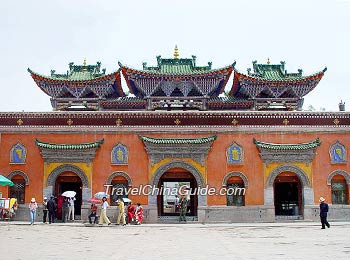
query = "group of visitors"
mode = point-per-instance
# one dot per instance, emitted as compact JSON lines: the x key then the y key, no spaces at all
{"x":50,"y":208}
{"x":134,"y":214}
{"x":68,"y":209}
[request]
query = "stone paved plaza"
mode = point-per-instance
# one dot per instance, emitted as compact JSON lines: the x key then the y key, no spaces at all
{"x":296,"y":240}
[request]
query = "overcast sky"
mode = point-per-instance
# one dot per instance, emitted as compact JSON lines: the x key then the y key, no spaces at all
{"x":45,"y":35}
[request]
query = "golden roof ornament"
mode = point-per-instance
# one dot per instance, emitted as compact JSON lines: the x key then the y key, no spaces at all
{"x":84,"y":62}
{"x":176,"y":52}
{"x":268,"y":60}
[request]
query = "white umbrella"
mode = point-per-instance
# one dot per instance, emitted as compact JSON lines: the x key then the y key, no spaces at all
{"x":69,"y":194}
{"x":101,"y":194}
{"x":126,"y":200}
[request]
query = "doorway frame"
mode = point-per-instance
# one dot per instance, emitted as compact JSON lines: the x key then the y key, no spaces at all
{"x":307,"y":190}
{"x":152,"y":197}
{"x":52,"y":177}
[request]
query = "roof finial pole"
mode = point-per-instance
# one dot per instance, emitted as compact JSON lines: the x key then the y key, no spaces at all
{"x":268,"y":60}
{"x":176,"y":52}
{"x":84,"y":62}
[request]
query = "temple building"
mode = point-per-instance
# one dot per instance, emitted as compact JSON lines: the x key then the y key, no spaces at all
{"x":247,"y":153}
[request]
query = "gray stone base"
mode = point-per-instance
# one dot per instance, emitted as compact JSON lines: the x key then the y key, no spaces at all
{"x":336,"y":212}
{"x":212,"y":214}
{"x":236,"y":214}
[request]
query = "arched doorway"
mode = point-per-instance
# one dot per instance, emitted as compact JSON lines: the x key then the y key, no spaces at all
{"x":70,"y":181}
{"x":69,"y":177}
{"x":169,"y":185}
{"x":175,"y":167}
{"x":288,"y":195}
{"x":305,"y":193}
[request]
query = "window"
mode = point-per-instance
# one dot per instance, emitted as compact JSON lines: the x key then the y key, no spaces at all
{"x":18,"y":191}
{"x":119,"y":190}
{"x":339,"y":192}
{"x":235,"y":194}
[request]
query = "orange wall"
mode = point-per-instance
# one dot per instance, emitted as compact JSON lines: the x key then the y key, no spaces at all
{"x":138,"y":168}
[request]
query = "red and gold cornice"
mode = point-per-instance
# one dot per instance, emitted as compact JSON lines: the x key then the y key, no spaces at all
{"x":184,"y":118}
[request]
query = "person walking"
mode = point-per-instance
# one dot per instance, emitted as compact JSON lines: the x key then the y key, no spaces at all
{"x":32,"y":210}
{"x":103,"y":216}
{"x":65,"y":208}
{"x":131,"y":212}
{"x":51,"y":207}
{"x":139,"y":214}
{"x":121,"y":215}
{"x":323,"y":213}
{"x":71,"y":208}
{"x":45,"y":210}
{"x":183,"y":208}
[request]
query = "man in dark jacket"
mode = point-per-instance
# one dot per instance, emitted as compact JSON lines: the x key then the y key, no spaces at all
{"x":65,"y":208}
{"x":51,"y":207}
{"x":323,"y":213}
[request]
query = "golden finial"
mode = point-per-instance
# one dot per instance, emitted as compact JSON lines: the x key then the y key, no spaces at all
{"x":84,"y":62}
{"x":176,"y":52}
{"x":268,"y":60}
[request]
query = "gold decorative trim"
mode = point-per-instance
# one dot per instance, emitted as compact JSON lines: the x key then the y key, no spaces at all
{"x":118,"y":122}
{"x":285,"y":121}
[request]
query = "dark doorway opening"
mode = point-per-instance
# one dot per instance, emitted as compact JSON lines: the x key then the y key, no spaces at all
{"x":288,"y":195}
{"x":168,"y":199}
{"x":70,"y":182}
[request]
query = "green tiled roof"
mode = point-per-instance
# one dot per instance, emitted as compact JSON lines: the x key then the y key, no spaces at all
{"x":176,"y":66}
{"x":81,"y":72}
{"x":81,"y":146}
{"x":179,"y":140}
{"x":273,"y":72}
{"x":302,"y":146}
{"x":77,"y":73}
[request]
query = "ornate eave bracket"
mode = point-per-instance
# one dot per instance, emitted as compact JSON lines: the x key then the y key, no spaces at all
{"x":193,"y":148}
{"x":84,"y":152}
{"x":304,"y":152}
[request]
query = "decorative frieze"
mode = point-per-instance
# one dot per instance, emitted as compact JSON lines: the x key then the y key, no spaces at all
{"x":84,"y":152}
{"x":194,"y":148}
{"x":303,"y":152}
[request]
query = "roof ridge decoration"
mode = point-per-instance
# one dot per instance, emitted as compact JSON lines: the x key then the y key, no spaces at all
{"x":81,"y":86}
{"x":301,"y":152}
{"x":176,"y":52}
{"x":88,"y":72}
{"x":178,"y":79}
{"x":194,"y":148}
{"x":271,"y":87}
{"x":52,"y":152}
